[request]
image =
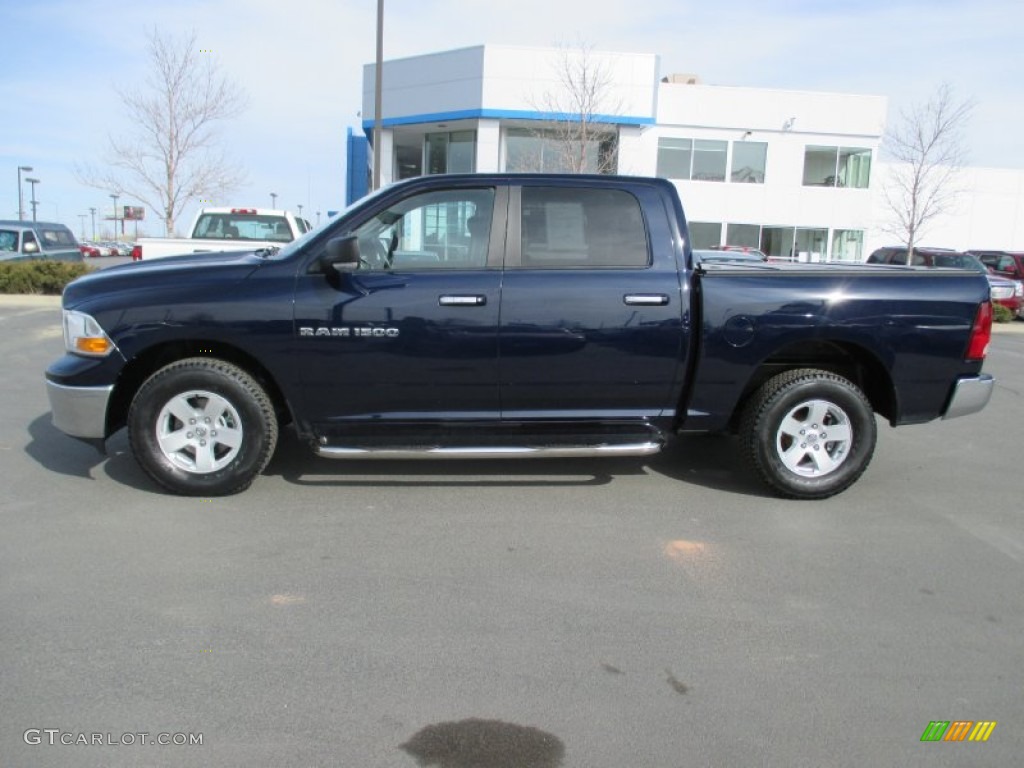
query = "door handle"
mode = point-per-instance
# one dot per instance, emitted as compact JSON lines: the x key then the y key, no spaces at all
{"x":462,"y":300}
{"x":645,"y":299}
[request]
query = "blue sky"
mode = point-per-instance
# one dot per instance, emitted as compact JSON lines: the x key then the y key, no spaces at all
{"x":301,"y":65}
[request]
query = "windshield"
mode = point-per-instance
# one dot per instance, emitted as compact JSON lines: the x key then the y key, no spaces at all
{"x":242,"y":226}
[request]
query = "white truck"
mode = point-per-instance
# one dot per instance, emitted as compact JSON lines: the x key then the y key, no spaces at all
{"x":226,"y":229}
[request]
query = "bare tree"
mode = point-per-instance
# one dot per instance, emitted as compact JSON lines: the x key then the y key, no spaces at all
{"x":576,"y":136}
{"x":927,"y":147}
{"x":173,"y":155}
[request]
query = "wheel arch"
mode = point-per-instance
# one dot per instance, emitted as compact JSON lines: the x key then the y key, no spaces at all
{"x":849,"y":360}
{"x":145,"y":364}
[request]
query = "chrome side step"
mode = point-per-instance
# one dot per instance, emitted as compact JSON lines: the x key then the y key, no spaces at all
{"x":490,"y":452}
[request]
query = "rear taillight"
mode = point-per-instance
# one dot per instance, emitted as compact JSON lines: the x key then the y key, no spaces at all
{"x":981,"y":333}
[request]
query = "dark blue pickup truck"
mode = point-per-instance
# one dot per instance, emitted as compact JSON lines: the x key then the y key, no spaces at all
{"x":511,"y":316}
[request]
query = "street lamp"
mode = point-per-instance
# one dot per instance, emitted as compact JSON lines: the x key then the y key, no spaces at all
{"x":300,"y":210}
{"x":33,"y":183}
{"x":114,"y":198}
{"x":82,"y":217}
{"x":93,"y":212}
{"x":377,"y":95}
{"x":273,"y":200}
{"x":21,"y":201}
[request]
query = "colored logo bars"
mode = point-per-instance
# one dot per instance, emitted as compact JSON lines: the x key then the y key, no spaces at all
{"x":958,"y":730}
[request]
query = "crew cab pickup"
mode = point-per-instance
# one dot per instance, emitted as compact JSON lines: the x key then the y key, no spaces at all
{"x":226,"y":229}
{"x":512,"y":316}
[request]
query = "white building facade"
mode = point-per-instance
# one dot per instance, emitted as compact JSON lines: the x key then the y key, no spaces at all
{"x":796,"y":174}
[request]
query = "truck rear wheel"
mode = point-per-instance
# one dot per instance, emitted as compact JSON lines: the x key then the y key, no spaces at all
{"x":202,"y":427}
{"x":809,"y":433}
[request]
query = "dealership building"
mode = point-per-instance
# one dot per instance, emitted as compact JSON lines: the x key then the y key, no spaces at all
{"x":794,"y":173}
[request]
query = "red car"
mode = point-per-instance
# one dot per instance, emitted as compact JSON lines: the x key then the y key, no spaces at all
{"x":1004,"y":263}
{"x":89,"y":251}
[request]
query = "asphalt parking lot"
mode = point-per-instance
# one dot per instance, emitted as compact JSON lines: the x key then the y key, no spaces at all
{"x":575,"y":613}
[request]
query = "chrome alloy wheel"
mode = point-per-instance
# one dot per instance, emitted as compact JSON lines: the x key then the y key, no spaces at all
{"x":199,"y":431}
{"x":814,"y":438}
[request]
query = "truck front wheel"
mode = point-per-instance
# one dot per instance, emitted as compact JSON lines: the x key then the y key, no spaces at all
{"x":202,"y":427}
{"x":809,"y":433}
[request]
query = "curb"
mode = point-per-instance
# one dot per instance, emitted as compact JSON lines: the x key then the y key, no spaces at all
{"x":28,"y":300}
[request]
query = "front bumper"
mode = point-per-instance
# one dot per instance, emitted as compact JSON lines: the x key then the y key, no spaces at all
{"x":79,"y":411}
{"x":970,"y":395}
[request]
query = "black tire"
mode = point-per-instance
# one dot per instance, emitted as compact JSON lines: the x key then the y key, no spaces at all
{"x":173,"y":425}
{"x":808,"y":433}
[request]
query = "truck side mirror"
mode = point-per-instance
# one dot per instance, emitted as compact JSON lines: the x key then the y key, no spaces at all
{"x":342,"y":254}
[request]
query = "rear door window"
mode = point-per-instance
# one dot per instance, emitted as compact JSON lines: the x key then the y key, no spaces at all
{"x":567,"y":227}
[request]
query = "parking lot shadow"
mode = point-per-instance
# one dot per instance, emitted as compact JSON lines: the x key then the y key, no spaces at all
{"x":711,"y":462}
{"x":708,"y":461}
{"x":59,"y":453}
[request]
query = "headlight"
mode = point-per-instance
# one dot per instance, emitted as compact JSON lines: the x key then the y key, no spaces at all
{"x":83,"y":335}
{"x":1018,"y":288}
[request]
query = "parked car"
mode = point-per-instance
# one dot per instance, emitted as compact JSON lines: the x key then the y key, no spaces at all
{"x":37,"y":240}
{"x":89,"y":250}
{"x":1009,"y":293}
{"x":1006,"y":263}
{"x":226,"y":229}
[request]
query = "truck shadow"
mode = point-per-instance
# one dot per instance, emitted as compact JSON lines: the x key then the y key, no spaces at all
{"x":713,"y":462}
{"x":57,"y":452}
{"x":707,"y":461}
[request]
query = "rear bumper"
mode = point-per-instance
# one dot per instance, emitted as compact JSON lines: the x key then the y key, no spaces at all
{"x":970,"y":395}
{"x":79,"y":411}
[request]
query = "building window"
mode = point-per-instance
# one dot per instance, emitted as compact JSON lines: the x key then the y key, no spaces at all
{"x":542,"y":150}
{"x":568,"y":227}
{"x":704,"y":234}
{"x":837,"y":167}
{"x":696,"y":159}
{"x":450,"y":152}
{"x":810,"y":244}
{"x":674,"y":158}
{"x":749,"y":159}
{"x":745,"y":235}
{"x":847,"y":245}
{"x":854,"y":168}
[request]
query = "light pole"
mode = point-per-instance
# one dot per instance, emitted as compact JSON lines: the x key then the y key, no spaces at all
{"x":92,"y":212}
{"x":33,"y":183}
{"x":318,"y":218}
{"x":114,"y":198}
{"x":299,"y":206}
{"x":82,"y":217}
{"x":377,"y":95}
{"x":21,"y":201}
{"x":273,"y":200}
